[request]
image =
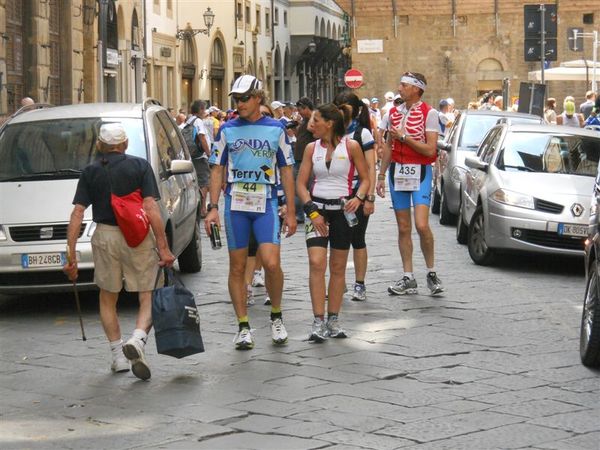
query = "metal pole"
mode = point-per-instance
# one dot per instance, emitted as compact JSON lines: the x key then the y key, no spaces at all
{"x":543,"y":38}
{"x":595,"y":56}
{"x":100,"y":73}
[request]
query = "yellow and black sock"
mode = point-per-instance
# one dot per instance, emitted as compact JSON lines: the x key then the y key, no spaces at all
{"x":243,"y":322}
{"x":275,"y":312}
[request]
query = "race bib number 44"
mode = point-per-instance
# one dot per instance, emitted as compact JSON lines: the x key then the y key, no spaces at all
{"x":407,"y":177}
{"x":250,"y":197}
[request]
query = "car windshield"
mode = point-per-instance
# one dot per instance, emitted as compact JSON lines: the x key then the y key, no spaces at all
{"x":550,"y":153}
{"x":58,"y":148}
{"x":476,"y":126}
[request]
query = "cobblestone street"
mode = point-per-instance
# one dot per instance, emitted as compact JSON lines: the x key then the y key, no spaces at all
{"x":492,"y":364}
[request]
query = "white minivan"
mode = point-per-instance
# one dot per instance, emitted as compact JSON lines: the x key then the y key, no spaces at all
{"x":42,"y":152}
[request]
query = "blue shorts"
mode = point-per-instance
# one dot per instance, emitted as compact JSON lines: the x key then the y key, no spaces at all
{"x":402,"y":199}
{"x":265,"y":226}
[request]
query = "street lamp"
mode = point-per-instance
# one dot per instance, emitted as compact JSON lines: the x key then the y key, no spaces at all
{"x":209,"y":20}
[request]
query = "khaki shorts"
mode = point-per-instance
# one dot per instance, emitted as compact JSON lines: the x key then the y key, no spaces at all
{"x":115,"y":262}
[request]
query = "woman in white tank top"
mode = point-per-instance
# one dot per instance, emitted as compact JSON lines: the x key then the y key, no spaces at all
{"x":332,"y":159}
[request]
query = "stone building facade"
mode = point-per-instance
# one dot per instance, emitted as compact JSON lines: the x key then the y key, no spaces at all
{"x":464,"y":47}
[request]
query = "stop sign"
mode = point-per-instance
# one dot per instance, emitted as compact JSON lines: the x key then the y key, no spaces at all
{"x":353,"y":78}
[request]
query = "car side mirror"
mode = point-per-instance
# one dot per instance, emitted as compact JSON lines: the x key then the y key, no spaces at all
{"x":179,"y":166}
{"x":475,"y":163}
{"x":441,"y":145}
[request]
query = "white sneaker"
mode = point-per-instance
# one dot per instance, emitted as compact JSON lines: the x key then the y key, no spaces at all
{"x":278,"y":332}
{"x":267,"y":300}
{"x":134,"y":352}
{"x":257,"y":279}
{"x":243,"y":339}
{"x":119,"y":363}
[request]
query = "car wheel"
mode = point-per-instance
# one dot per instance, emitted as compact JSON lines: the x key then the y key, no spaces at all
{"x":478,"y":249}
{"x":190,"y":260}
{"x":446,"y":217}
{"x":462,"y":231}
{"x":435,"y":201}
{"x":589,"y":339}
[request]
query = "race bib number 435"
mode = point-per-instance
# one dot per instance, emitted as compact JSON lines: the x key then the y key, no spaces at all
{"x":251,"y":197}
{"x":407,"y":177}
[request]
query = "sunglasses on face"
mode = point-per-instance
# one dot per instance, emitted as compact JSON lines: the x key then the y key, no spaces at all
{"x":241,"y":98}
{"x":268,"y":114}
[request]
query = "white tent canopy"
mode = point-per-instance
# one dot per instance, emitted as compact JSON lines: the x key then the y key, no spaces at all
{"x":568,"y":71}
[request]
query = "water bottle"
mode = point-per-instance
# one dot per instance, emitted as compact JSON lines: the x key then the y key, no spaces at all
{"x":350,"y":216}
{"x":215,"y":236}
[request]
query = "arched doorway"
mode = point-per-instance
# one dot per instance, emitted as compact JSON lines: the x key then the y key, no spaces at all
{"x":188,"y":72}
{"x":489,"y":76}
{"x":217,"y":74}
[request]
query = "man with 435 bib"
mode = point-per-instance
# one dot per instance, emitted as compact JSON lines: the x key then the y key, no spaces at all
{"x":411,"y":149}
{"x":257,"y":155}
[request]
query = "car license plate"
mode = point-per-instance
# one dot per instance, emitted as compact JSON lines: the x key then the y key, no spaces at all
{"x":29,"y":260}
{"x":571,"y":229}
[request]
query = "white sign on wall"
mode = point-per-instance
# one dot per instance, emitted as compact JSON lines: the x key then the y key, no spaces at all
{"x":370,"y":45}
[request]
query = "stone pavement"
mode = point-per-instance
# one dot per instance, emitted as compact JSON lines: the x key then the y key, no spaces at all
{"x":492,"y":364}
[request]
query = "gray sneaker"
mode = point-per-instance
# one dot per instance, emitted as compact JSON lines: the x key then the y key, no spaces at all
{"x":360,"y":293}
{"x":318,"y":332}
{"x":334,"y":329}
{"x":434,"y":284}
{"x":404,"y":286}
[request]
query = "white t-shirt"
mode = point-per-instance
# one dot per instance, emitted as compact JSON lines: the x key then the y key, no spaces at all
{"x":200,"y":129}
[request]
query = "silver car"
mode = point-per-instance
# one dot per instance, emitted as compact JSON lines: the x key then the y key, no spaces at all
{"x":43,"y":151}
{"x":463,"y":139}
{"x":529,"y":189}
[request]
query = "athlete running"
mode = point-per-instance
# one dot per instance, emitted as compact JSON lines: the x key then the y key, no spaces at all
{"x":411,"y":149}
{"x":252,"y":147}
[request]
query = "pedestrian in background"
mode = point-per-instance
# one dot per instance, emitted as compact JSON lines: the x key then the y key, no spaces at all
{"x":550,"y":111}
{"x":569,"y":117}
{"x":116,"y":265}
{"x":586,"y":107}
{"x":359,"y":130}
{"x":331,"y":159}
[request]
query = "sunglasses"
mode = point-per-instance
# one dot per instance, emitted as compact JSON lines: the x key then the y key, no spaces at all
{"x":241,"y":98}
{"x":268,"y":114}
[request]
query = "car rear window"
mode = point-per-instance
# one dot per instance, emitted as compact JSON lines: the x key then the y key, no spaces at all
{"x":550,"y":153}
{"x":476,"y":127}
{"x":58,"y":148}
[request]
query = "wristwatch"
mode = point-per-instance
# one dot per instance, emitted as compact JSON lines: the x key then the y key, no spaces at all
{"x":402,"y":138}
{"x":362,"y":199}
{"x":370,"y":198}
{"x":212,"y":206}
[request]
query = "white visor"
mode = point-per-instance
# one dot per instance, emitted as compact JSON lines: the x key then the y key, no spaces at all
{"x":413,"y":81}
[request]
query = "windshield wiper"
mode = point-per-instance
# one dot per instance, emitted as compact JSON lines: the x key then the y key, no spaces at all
{"x":523,"y":168}
{"x":29,"y":176}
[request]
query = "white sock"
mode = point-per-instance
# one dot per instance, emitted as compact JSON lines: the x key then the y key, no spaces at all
{"x":140,"y":334}
{"x":410,"y":275}
{"x":429,"y":270}
{"x":116,"y":347}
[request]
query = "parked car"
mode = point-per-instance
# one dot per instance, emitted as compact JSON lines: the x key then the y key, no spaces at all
{"x":463,"y":139}
{"x":528,"y":189}
{"x":589,"y":338}
{"x":43,"y":151}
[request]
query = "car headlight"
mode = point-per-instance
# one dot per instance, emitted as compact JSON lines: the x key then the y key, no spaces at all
{"x":92,"y":229}
{"x":513,"y":198}
{"x":2,"y":234}
{"x":458,"y":174}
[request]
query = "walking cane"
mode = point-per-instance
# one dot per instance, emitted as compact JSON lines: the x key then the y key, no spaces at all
{"x":69,"y":260}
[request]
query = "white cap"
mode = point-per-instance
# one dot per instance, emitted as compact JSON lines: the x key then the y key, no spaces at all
{"x":366,"y":101}
{"x":213,"y":109}
{"x":112,"y":133}
{"x":389,"y":95}
{"x":244,"y":84}
{"x":450,"y":100}
{"x":397,"y":96}
{"x":277,"y":104}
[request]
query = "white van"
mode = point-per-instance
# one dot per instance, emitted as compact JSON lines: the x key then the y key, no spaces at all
{"x":42,"y":153}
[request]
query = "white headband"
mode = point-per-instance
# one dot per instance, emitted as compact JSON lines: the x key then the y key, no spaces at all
{"x":413,"y":81}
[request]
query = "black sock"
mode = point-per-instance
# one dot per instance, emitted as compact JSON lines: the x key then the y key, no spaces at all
{"x":331,"y":316}
{"x":362,"y":283}
{"x":276,"y":315}
{"x":244,"y":325}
